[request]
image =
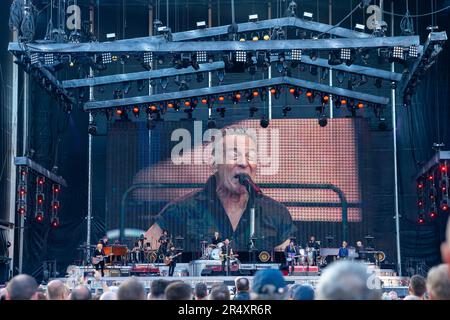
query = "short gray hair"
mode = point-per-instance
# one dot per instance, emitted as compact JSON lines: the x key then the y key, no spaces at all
{"x":346,"y":280}
{"x":438,"y":282}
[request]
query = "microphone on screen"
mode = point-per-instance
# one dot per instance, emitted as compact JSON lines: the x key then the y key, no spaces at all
{"x":246,"y":181}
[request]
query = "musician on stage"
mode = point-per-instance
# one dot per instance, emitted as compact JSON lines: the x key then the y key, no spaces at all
{"x":104,"y":241}
{"x":136,"y":252}
{"x":163,"y":243}
{"x":226,"y":255}
{"x":289,"y":253}
{"x":171,"y":255}
{"x":360,"y":251}
{"x":216,"y":239}
{"x":99,"y":253}
{"x":315,"y":247}
{"x":343,"y":251}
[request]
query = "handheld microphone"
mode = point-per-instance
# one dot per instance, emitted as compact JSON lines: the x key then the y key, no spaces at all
{"x":245,"y":180}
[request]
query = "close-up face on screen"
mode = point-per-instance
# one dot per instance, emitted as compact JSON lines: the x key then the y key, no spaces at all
{"x":189,"y":184}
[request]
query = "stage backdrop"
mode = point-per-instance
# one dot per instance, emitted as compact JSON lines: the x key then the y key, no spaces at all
{"x":338,"y":155}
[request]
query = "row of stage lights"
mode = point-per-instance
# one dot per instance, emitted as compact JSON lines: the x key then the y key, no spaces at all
{"x":235,"y":98}
{"x":430,"y":188}
{"x":40,"y":206}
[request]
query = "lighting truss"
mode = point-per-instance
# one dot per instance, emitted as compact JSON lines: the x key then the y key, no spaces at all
{"x":296,"y":54}
{"x":223,"y":89}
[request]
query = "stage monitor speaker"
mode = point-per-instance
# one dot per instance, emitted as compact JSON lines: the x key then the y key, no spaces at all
{"x":207,"y":272}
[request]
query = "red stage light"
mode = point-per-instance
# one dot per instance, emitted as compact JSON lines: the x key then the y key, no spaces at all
{"x":430,"y":177}
{"x":56,"y":188}
{"x":119,"y":112}
{"x":421,"y":220}
{"x":420,"y":203}
{"x":22,"y":192}
{"x":433,"y":214}
{"x":443,"y":168}
{"x":187,"y":103}
{"x":292,"y":90}
{"x":39,"y":217}
{"x":420,"y":185}
{"x":221,"y":98}
{"x":360,"y":105}
{"x":40,"y":198}
{"x":22,"y":211}
{"x":255,"y":93}
{"x":273,"y":90}
{"x":55,"y":223}
{"x":40,"y":180}
{"x":170,"y":105}
{"x":444,"y":205}
{"x":326,"y":98}
{"x":238,"y":96}
{"x":136,"y":110}
{"x":55,"y":205}
{"x":343,"y":102}
{"x":204,"y":101}
{"x":309,"y":94}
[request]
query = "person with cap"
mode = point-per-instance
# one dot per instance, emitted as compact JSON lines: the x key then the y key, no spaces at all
{"x":269,"y":284}
{"x":303,"y":292}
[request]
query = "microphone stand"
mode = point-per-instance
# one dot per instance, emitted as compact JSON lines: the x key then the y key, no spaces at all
{"x":252,"y":247}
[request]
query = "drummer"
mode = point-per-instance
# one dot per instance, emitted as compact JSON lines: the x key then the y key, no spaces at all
{"x":216,"y":239}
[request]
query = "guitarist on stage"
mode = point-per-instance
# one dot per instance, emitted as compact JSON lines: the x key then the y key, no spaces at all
{"x":99,"y":255}
{"x":290,"y":253}
{"x":226,"y":256}
{"x":171,"y":259}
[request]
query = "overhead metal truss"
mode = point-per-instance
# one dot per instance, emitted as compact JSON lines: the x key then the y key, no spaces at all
{"x":147,"y":45}
{"x":27,"y":162}
{"x":206,"y":40}
{"x":235,"y":87}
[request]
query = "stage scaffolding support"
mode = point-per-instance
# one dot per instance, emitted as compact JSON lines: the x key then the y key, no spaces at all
{"x":394,"y":137}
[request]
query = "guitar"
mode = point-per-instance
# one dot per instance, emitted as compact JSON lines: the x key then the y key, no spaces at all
{"x":292,"y":256}
{"x":97,"y":259}
{"x":168,"y":260}
{"x":231,"y":256}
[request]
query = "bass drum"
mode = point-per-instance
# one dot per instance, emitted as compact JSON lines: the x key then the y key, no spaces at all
{"x":215,"y":254}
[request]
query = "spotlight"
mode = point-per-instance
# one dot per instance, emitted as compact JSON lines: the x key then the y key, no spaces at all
{"x":187,"y":103}
{"x":221,"y":98}
{"x":204,"y":101}
{"x":56,"y":188}
{"x":264,"y":123}
{"x":360,"y":105}
{"x":136,"y":111}
{"x":420,"y":184}
{"x":40,"y":180}
{"x":433,"y":214}
{"x":444,"y":205}
{"x":119,"y":111}
{"x":201,"y":24}
{"x":310,"y":96}
{"x":49,"y":59}
{"x":253,"y":18}
{"x":430,"y":177}
{"x":286,"y":110}
{"x":255,"y":93}
{"x":212,"y":124}
{"x":242,"y":38}
{"x":443,"y":168}
{"x":334,"y":59}
{"x":346,"y":54}
{"x":266,"y":36}
{"x":307,"y":16}
{"x":296,"y":54}
{"x":55,"y":222}
{"x":152,"y":108}
{"x":340,"y":76}
{"x":201,"y":56}
{"x":325,"y":99}
{"x":148,"y":58}
{"x":92,"y":129}
{"x":413,"y":51}
{"x":421,"y":219}
{"x":252,"y":110}
{"x":397,"y":53}
{"x":255,"y":36}
{"x":323,"y":121}
{"x":443,"y":186}
{"x":106,"y":57}
{"x":39,"y":216}
{"x":313,"y":54}
{"x":344,"y":101}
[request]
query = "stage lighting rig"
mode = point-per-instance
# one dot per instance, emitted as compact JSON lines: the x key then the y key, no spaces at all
{"x":201,"y":24}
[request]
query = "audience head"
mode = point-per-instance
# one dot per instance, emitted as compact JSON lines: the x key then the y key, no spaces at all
{"x":393,"y":295}
{"x":57,"y":290}
{"x":303,"y":292}
{"x":346,"y":280}
{"x":242,"y":284}
{"x":417,"y":286}
{"x":108,"y":295}
{"x":269,"y":284}
{"x":81,"y":293}
{"x":157,"y":289}
{"x":445,"y":246}
{"x":220,"y":292}
{"x":131,"y":289}
{"x":200,"y":291}
{"x":438,"y":282}
{"x":22,"y":287}
{"x":178,"y":291}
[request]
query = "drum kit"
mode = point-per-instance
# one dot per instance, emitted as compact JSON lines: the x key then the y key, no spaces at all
{"x":211,"y":251}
